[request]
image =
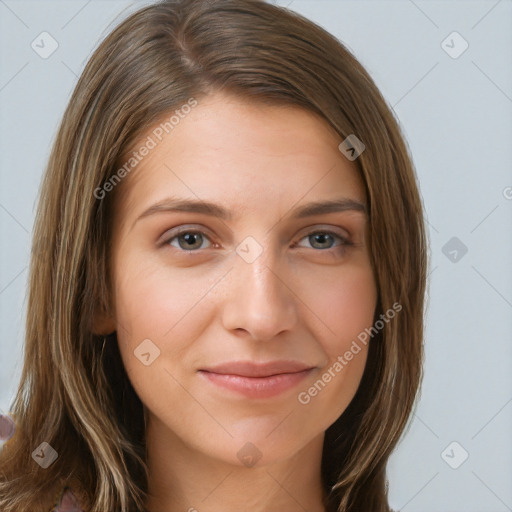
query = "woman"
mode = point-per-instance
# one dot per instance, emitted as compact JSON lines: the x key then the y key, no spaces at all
{"x":191,"y":343}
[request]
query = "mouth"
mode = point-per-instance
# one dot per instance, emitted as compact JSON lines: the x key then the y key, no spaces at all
{"x":257,"y":380}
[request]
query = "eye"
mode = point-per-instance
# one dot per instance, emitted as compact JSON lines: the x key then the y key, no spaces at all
{"x":323,"y":240}
{"x":191,"y":240}
{"x":187,"y":240}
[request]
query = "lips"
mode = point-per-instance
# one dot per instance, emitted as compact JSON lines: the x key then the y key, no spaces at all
{"x":251,"y":369}
{"x":257,"y":380}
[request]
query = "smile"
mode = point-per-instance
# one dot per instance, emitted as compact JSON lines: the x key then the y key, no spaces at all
{"x":257,"y":381}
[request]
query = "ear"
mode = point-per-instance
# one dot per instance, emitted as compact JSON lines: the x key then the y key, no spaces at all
{"x":103,"y":323}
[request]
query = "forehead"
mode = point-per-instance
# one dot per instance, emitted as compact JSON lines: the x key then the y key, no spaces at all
{"x":243,"y":152}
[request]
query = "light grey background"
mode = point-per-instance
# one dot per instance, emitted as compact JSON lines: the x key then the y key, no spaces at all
{"x":456,"y":116}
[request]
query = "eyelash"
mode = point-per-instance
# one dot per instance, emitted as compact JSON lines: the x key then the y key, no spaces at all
{"x":344,"y":241}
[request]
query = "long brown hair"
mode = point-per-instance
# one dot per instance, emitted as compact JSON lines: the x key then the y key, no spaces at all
{"x":74,"y":393}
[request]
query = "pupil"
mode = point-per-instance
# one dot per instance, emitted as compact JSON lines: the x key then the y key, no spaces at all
{"x":321,"y":238}
{"x":190,"y":238}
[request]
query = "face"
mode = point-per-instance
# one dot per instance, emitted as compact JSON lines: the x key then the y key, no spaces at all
{"x":236,"y":320}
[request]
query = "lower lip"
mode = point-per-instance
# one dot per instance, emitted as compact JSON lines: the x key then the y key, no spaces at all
{"x":257,"y":387}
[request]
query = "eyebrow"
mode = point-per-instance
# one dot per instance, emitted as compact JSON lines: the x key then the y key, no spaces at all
{"x":215,"y":210}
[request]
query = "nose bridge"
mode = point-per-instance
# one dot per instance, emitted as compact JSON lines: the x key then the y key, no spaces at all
{"x":258,"y":299}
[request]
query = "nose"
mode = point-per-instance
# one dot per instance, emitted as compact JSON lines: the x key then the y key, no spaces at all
{"x":259,"y":298}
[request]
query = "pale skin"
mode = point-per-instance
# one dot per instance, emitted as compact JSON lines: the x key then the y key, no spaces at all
{"x":304,"y":298}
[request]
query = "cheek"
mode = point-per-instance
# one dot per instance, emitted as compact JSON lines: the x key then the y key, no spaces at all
{"x":155,"y":303}
{"x":150,"y":299}
{"x":346,"y":307}
{"x":344,"y":303}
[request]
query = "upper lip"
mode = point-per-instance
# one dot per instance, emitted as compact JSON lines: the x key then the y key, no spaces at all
{"x":251,"y":369}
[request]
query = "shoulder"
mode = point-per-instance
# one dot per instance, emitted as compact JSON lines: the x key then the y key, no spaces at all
{"x":66,"y":501}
